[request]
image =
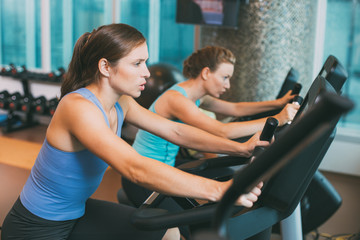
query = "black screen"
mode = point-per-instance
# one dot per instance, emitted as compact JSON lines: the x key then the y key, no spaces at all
{"x":334,"y":73}
{"x":319,"y":85}
{"x":215,"y":13}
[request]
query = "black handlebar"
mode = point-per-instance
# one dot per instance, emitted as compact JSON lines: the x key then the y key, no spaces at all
{"x":296,"y":89}
{"x":298,"y":100}
{"x":269,"y":129}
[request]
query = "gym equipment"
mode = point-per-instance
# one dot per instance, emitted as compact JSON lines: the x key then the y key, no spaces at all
{"x":222,"y":220}
{"x":22,"y":73}
{"x":161,"y":73}
{"x":40,"y":105}
{"x":266,"y":135}
{"x":319,"y":87}
{"x":19,"y":72}
{"x":7,"y":69}
{"x":52,"y":105}
{"x":289,"y":83}
{"x":334,"y":73}
{"x":4,"y":99}
{"x":26,"y":104}
{"x":319,"y":203}
{"x":305,"y":217}
{"x":269,"y":129}
{"x":321,"y":200}
{"x":21,"y":108}
{"x":57,"y":75}
{"x":297,"y":88}
{"x":14,"y":101}
{"x":294,"y":158}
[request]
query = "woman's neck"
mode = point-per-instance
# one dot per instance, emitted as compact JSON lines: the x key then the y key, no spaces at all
{"x":106,"y":95}
{"x":194,"y":88}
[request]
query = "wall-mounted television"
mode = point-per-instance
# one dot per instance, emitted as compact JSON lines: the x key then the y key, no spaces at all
{"x":208,"y":12}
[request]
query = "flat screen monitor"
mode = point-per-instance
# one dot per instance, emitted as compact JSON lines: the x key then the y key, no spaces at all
{"x":334,"y":73}
{"x":319,"y":85}
{"x":208,"y":12}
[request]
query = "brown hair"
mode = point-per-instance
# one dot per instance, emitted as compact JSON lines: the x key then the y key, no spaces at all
{"x":210,"y":56}
{"x":112,"y":42}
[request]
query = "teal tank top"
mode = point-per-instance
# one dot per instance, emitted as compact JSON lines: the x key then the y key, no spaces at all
{"x":152,"y":146}
{"x":60,"y":182}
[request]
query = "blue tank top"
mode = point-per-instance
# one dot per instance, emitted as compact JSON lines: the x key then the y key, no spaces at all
{"x":152,"y":146}
{"x":60,"y":182}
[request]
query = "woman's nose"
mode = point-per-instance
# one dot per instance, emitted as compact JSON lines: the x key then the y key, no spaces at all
{"x":227,"y":84}
{"x":146,"y":72}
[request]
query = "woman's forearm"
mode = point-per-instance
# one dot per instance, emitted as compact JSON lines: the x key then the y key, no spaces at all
{"x":195,"y":138}
{"x":151,"y":174}
{"x":252,"y":108}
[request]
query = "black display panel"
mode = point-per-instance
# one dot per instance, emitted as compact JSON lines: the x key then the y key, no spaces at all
{"x":208,"y":12}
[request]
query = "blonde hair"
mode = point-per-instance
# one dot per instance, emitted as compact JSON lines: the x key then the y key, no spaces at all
{"x":210,"y":56}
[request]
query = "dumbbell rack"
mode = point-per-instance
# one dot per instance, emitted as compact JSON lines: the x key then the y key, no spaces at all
{"x":14,"y":122}
{"x":12,"y":116}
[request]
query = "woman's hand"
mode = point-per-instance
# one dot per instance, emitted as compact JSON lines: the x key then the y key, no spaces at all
{"x":287,"y":114}
{"x":248,"y":199}
{"x":288,"y":97}
{"x":253,"y":142}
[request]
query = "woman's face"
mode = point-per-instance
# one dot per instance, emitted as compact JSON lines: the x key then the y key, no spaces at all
{"x":129,"y":75}
{"x":219,"y":81}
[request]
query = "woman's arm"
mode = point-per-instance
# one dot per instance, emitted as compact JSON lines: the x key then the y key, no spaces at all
{"x":241,"y":109}
{"x":175,"y":105}
{"x":185,"y":135}
{"x":83,"y":121}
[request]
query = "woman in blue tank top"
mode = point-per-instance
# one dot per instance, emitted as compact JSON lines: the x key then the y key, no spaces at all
{"x":107,"y":70}
{"x":208,"y":71}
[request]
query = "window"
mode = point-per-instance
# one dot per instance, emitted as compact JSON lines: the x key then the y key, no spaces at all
{"x":21,"y":31}
{"x":69,"y":20}
{"x":343,"y":28}
{"x":168,"y":41}
{"x":20,"y":42}
{"x":176,"y":40}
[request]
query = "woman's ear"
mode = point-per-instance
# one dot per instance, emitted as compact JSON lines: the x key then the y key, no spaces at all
{"x":205,"y":73}
{"x":104,"y":67}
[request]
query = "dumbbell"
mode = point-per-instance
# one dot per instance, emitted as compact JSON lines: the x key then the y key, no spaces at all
{"x":40,"y":105}
{"x":6,"y":70}
{"x":18,"y":71}
{"x":15,"y":101}
{"x":4,"y":99}
{"x":26,"y":103}
{"x":56,"y":75}
{"x":52,"y":105}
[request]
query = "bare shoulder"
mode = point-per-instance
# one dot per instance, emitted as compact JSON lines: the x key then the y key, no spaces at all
{"x":74,"y":105}
{"x":73,"y":115}
{"x":171,"y":99}
{"x":174,"y":105}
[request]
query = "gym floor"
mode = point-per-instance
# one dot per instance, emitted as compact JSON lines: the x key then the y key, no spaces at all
{"x":14,"y":174}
